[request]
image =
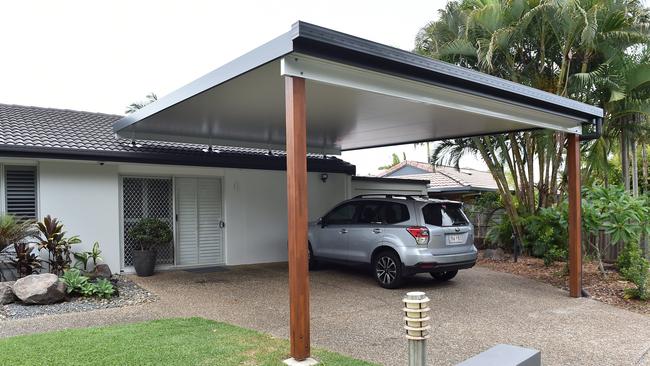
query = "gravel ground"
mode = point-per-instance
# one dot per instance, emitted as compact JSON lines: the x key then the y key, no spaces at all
{"x":353,"y":316}
{"x":129,"y":294}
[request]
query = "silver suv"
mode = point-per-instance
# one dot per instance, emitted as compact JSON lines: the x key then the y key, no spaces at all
{"x":398,"y":236}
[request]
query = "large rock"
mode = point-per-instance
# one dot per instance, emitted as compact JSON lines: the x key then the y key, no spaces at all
{"x":6,"y":293}
{"x":101,"y":271}
{"x":40,"y":289}
{"x":494,"y":254}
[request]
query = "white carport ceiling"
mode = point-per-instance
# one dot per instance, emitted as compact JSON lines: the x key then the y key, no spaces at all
{"x":359,"y":94}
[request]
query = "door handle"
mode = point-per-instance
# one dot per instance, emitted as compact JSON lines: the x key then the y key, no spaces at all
{"x":376,"y":231}
{"x":344,"y":231}
{"x":222,"y":224}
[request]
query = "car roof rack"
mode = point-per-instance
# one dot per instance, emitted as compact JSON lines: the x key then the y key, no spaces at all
{"x":390,"y":195}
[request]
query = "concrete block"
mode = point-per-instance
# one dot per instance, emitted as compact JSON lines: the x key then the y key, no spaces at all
{"x":505,"y":355}
{"x":306,"y":362}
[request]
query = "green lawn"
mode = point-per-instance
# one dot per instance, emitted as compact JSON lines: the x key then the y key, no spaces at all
{"x":193,"y":341}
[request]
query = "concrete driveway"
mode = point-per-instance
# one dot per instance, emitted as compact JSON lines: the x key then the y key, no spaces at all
{"x":353,"y":316}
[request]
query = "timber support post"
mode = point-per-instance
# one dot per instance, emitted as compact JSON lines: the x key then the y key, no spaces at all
{"x":575,"y":219}
{"x":296,"y":140}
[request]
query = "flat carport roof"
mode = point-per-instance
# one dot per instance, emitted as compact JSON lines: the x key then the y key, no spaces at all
{"x":318,"y":90}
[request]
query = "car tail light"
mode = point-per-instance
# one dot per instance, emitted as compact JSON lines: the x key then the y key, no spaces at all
{"x":420,"y":234}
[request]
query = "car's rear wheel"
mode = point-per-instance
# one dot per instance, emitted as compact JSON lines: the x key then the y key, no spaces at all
{"x":444,"y":276}
{"x":387,"y":268}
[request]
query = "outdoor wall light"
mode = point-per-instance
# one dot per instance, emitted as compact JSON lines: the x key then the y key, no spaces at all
{"x":323,"y":177}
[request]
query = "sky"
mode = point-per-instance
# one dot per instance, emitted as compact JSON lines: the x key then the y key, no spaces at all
{"x":101,"y":56}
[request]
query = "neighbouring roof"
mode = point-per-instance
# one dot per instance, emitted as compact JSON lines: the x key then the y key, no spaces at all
{"x":443,"y":178}
{"x":37,"y":132}
{"x":415,"y":181}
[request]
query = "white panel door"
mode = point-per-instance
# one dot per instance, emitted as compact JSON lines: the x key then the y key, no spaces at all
{"x":199,"y":216}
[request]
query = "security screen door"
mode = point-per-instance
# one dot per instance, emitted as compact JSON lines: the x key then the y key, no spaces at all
{"x":199,"y":215}
{"x":147,"y":197}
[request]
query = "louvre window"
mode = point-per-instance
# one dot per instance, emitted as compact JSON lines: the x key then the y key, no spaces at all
{"x":20,"y":191}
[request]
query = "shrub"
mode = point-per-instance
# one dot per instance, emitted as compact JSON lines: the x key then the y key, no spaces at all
{"x":149,"y":233}
{"x":634,"y":268}
{"x":546,"y":233}
{"x":74,"y":280}
{"x":83,"y":258}
{"x":27,"y":260}
{"x":104,"y":288}
{"x":14,"y":230}
{"x":79,"y":284}
{"x":52,"y":238}
{"x":500,"y":233}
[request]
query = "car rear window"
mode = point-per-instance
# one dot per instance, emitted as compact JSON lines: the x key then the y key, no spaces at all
{"x":444,"y":214}
{"x":377,"y":212}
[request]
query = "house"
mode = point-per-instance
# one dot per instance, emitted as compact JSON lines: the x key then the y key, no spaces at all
{"x":220,"y":201}
{"x":444,"y":181}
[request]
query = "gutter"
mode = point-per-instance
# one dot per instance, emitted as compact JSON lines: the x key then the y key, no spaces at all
{"x":597,"y":133}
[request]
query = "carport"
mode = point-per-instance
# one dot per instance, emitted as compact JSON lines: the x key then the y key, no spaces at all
{"x":321,"y":91}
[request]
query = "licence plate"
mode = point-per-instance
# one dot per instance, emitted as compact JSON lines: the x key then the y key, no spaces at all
{"x":455,"y":239}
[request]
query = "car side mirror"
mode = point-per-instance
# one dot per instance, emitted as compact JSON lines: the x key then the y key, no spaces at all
{"x":322,"y":222}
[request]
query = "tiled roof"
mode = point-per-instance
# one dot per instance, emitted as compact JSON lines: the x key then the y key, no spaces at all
{"x":445,"y":177}
{"x":62,"y":133}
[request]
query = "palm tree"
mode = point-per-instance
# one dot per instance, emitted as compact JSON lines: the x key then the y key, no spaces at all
{"x":570,"y":48}
{"x":150,"y":98}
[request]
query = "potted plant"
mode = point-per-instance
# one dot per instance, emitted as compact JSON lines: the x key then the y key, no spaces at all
{"x":148,"y":233}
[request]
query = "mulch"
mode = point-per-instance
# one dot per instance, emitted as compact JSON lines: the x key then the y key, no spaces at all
{"x":608,"y":288}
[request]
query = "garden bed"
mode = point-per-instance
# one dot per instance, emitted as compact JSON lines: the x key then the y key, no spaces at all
{"x":129,"y":294}
{"x":609,"y":288}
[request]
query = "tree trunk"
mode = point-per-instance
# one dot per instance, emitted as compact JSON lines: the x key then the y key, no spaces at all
{"x":635,"y":169}
{"x":644,"y":163}
{"x":625,"y":165}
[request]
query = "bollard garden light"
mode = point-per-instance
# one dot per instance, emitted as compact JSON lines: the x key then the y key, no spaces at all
{"x":416,"y":318}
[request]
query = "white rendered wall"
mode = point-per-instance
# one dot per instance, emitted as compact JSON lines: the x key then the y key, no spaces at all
{"x":255,"y":206}
{"x":85,"y":197}
{"x":256,"y":212}
{"x":393,"y":186}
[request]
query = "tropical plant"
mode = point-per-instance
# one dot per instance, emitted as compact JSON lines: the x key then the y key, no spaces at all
{"x":87,"y":289}
{"x":83,"y":258}
{"x":150,"y":98}
{"x":104,"y":288}
{"x":52,"y":238}
{"x":74,"y":280}
{"x":150,"y":232}
{"x":546,"y":234}
{"x":393,"y":163}
{"x":584,"y":49}
{"x":634,"y":268}
{"x":26,"y":261}
{"x":15,"y":230}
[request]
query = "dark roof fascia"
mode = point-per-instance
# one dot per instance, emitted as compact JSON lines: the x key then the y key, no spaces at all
{"x":221,"y":160}
{"x":340,"y":47}
{"x":459,"y":189}
{"x":391,"y":180}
